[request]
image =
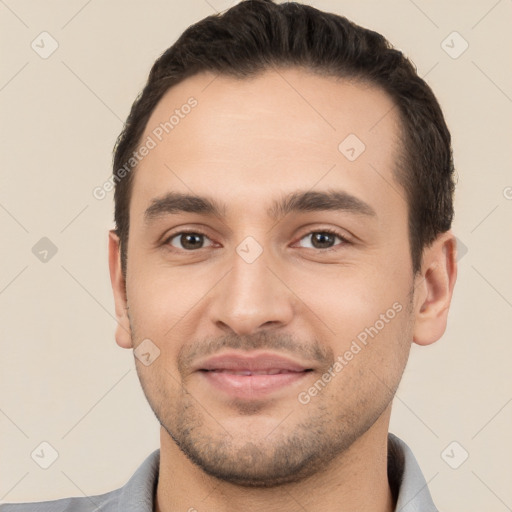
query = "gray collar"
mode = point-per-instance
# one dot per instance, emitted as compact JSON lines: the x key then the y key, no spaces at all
{"x":404,"y":473}
{"x":413,"y":493}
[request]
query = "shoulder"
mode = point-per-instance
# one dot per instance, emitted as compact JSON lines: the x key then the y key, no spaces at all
{"x":105,"y":502}
{"x":136,"y":495}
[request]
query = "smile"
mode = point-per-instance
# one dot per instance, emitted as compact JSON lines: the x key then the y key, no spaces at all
{"x":251,"y":376}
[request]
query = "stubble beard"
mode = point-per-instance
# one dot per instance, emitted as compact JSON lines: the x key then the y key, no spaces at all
{"x":296,"y":449}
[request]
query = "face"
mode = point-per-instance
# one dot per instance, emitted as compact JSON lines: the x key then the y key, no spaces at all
{"x":269,"y":264}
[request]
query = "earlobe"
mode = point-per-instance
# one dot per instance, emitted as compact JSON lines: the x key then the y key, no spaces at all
{"x":434,"y":289}
{"x":123,"y":331}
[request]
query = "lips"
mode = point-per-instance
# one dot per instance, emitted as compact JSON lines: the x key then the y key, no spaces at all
{"x":251,"y":376}
{"x":273,"y":371}
{"x":256,"y":363}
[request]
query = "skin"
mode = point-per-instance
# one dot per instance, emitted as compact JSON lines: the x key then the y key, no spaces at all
{"x":246,"y":144}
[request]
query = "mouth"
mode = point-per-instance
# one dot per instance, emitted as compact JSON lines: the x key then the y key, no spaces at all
{"x":274,"y":371}
{"x":251,"y":376}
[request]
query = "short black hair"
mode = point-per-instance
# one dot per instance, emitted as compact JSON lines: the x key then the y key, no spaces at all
{"x":257,"y":35}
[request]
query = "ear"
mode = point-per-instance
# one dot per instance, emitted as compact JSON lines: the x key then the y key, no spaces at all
{"x":434,"y":288}
{"x":123,"y":331}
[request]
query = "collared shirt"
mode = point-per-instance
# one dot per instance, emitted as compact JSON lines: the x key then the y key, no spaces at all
{"x":138,"y":494}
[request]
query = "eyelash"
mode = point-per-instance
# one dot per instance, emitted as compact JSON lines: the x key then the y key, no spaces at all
{"x":344,"y":239}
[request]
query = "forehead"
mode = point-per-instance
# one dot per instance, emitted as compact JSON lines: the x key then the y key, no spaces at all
{"x":244,"y":139}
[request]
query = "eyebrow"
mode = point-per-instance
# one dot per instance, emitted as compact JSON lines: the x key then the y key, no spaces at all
{"x":301,"y":201}
{"x":320,"y":201}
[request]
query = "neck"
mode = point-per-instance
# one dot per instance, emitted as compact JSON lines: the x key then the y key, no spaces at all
{"x":356,"y":480}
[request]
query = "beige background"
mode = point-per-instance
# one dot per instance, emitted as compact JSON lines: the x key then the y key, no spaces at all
{"x":64,"y":380}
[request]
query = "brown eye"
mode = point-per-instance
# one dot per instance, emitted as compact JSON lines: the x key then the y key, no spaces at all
{"x":321,"y":240}
{"x":189,"y":241}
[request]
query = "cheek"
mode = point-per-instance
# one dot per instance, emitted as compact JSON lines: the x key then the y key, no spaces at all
{"x":370,"y":354}
{"x":160,"y":297}
{"x":349,"y":301}
{"x":366,"y":321}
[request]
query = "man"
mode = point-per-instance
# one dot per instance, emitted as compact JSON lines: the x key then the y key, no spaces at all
{"x":283,"y":208}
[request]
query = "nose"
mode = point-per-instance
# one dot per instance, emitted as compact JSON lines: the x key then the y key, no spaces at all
{"x":252,"y":297}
